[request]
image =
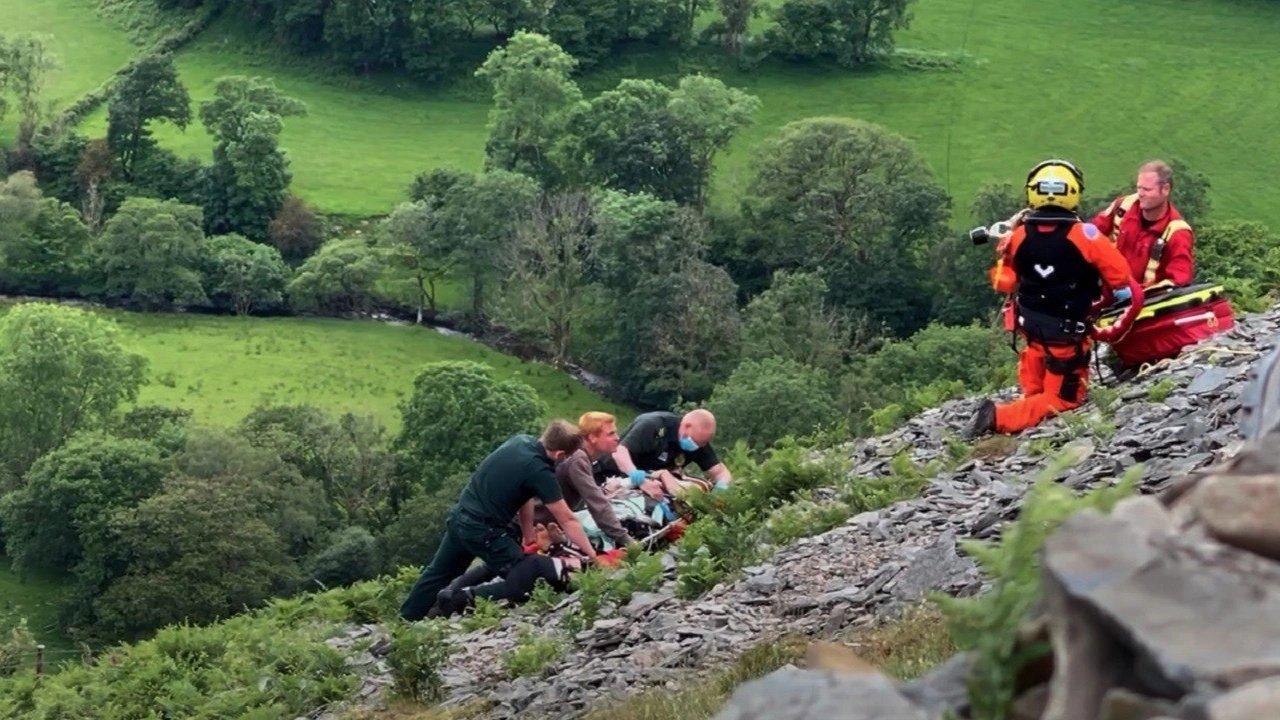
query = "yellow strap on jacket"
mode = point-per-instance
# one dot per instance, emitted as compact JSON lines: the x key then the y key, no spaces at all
{"x":1157,"y":249}
{"x":1118,"y":213}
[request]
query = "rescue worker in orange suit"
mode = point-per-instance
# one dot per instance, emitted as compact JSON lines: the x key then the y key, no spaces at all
{"x":1149,"y":231}
{"x":1054,"y":267}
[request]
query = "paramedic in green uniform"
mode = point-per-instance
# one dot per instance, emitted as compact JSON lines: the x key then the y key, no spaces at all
{"x":661,"y":442}
{"x":480,"y":524}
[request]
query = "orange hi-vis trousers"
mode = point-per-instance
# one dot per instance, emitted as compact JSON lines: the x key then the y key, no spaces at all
{"x":1053,"y":379}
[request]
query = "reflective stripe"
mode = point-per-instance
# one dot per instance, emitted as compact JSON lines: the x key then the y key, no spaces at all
{"x":1157,"y":249}
{"x":1162,"y":305}
{"x":1118,"y":213}
{"x":1212,"y":318}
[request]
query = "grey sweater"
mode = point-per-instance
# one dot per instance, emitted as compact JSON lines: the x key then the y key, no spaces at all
{"x":579,"y":488}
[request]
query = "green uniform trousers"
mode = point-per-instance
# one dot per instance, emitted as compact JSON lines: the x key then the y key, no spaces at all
{"x":465,"y":539}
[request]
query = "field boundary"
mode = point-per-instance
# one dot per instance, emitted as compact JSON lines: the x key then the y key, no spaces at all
{"x":170,"y":43}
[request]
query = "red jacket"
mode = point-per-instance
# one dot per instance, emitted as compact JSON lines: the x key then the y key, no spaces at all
{"x":1137,"y":236}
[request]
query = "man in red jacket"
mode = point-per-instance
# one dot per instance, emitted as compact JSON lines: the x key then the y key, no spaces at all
{"x":1149,"y":231}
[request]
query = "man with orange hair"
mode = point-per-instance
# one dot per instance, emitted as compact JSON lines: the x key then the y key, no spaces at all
{"x":578,"y":485}
{"x":1054,"y":268}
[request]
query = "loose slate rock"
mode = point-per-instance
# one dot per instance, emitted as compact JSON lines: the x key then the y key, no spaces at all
{"x":931,"y":568}
{"x":1194,"y":620}
{"x":793,"y":694}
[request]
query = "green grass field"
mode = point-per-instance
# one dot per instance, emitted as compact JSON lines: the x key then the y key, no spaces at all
{"x":88,"y":48}
{"x":1107,"y":84}
{"x":36,"y":598}
{"x":222,"y":367}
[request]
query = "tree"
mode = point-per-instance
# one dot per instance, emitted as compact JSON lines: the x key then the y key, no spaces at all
{"x":737,"y":16}
{"x":482,"y":214}
{"x":765,"y":400}
{"x":417,"y":239}
{"x":347,"y":456}
{"x":25,"y":64}
{"x":250,"y":172}
{"x":295,"y":230}
{"x":626,"y":139}
{"x":351,"y":555}
{"x":149,"y":254}
{"x":996,"y":201}
{"x":42,"y":241}
{"x":242,"y":275}
{"x":165,"y":427}
{"x":640,"y":236}
{"x":856,"y":204}
{"x":661,"y":322}
{"x":532,"y":94}
{"x":150,"y":91}
{"x":1190,"y":192}
{"x":413,"y":536}
{"x":69,"y":494}
{"x":962,"y":292}
{"x":548,"y":270}
{"x":94,"y":170}
{"x":195,"y":552}
{"x":339,"y":278}
{"x":508,"y":16}
{"x":709,"y":114}
{"x":646,"y":137}
{"x":365,"y":35}
{"x":456,"y":414}
{"x":930,"y":366}
{"x":851,"y":32}
{"x":684,"y":16}
{"x":693,"y":340}
{"x":293,"y":505}
{"x":792,"y":320}
{"x":62,"y":370}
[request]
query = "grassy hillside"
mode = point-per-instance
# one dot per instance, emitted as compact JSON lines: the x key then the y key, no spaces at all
{"x":88,"y":48}
{"x":221,"y":367}
{"x":1104,"y":83}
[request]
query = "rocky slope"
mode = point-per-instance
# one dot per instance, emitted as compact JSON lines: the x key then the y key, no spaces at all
{"x":1175,"y":420}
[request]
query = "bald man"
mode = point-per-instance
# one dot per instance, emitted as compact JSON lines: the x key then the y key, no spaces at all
{"x":663,"y":442}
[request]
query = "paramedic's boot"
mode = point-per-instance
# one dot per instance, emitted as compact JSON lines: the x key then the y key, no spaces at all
{"x":451,"y":602}
{"x":984,"y":421}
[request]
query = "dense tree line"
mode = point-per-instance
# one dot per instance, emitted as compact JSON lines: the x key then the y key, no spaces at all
{"x":433,"y":39}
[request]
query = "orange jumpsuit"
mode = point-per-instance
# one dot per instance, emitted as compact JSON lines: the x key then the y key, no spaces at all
{"x":1054,"y":270}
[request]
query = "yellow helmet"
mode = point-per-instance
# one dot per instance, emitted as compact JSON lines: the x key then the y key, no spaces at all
{"x":1055,"y":183}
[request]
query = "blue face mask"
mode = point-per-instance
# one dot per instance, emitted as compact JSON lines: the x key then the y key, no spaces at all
{"x":687,"y":444}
